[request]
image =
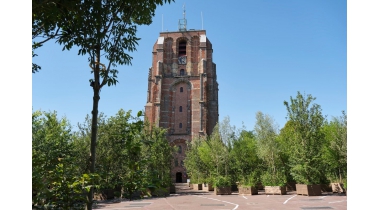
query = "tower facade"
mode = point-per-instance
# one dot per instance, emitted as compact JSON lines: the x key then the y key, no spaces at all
{"x":182,"y":90}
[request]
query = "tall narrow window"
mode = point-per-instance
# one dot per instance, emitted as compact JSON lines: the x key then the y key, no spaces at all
{"x":182,"y":72}
{"x":180,"y":108}
{"x":182,"y":53}
{"x":179,"y":149}
{"x":180,"y":125}
{"x":181,"y":89}
{"x":176,"y":162}
{"x":182,"y":48}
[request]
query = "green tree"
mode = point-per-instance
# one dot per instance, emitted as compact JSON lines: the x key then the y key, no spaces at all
{"x":55,"y":178}
{"x":159,"y":155}
{"x":245,"y":161}
{"x":195,"y":168}
{"x":105,"y":31}
{"x":306,"y":139}
{"x":269,"y":150}
{"x":48,"y":16}
{"x":335,"y":151}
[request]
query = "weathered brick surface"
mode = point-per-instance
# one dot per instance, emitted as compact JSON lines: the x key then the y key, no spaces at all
{"x":194,"y":110}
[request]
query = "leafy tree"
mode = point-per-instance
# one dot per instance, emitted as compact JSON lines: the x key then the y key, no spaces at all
{"x":285,"y":149}
{"x":103,"y":30}
{"x":306,"y":139}
{"x":335,"y":151}
{"x":48,"y":16}
{"x":159,"y":155}
{"x":55,"y":179}
{"x":194,"y":166}
{"x":268,"y":150}
{"x":245,"y":161}
{"x":130,"y":156}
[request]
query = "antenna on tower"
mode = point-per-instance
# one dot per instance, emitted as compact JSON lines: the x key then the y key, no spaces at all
{"x":182,"y":22}
{"x":184,"y":11}
{"x":202,"y":19}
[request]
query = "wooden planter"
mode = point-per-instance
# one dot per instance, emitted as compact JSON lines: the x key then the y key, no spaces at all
{"x":197,"y":186}
{"x":260,"y":186}
{"x":275,"y":190}
{"x":223,"y":190}
{"x":234,"y":188}
{"x":309,"y":190}
{"x":207,"y":187}
{"x":326,"y":188}
{"x":291,"y":186}
{"x":338,"y":188}
{"x":248,"y":190}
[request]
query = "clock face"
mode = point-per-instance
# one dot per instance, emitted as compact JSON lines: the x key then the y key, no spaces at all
{"x":182,"y":59}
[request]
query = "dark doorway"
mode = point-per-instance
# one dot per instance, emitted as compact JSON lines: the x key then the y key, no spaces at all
{"x":178,"y":177}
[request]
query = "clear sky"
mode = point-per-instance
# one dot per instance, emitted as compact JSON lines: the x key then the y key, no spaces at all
{"x":265,"y":51}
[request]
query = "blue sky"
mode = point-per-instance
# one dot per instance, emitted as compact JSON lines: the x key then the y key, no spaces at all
{"x":265,"y":51}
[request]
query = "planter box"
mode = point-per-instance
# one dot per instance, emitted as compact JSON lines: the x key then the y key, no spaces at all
{"x":260,"y":186}
{"x":337,"y":188}
{"x":291,"y":186}
{"x":272,"y":190}
{"x":223,"y":190}
{"x":207,"y":187}
{"x":309,"y":190}
{"x":234,"y":188}
{"x":326,"y":188}
{"x":197,"y":186}
{"x":248,"y":191}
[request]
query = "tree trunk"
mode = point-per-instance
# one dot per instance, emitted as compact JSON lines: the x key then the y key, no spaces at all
{"x":94,"y":129}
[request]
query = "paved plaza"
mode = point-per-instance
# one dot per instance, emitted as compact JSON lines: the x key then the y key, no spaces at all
{"x":188,"y":199}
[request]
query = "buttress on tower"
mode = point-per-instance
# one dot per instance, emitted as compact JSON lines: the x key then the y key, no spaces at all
{"x":182,"y":90}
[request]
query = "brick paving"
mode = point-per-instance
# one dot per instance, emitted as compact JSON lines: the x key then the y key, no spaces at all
{"x":188,"y":199}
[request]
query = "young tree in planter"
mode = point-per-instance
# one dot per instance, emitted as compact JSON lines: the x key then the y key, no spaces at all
{"x":306,"y":140}
{"x":335,"y":151}
{"x":285,"y":152}
{"x":158,"y":154}
{"x":268,"y":150}
{"x":229,"y":135}
{"x":246,"y":163}
{"x":195,"y":168}
{"x":56,"y":182}
{"x":214,"y":154}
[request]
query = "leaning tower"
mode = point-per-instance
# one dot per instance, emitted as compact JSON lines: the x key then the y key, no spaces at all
{"x":182,"y":90}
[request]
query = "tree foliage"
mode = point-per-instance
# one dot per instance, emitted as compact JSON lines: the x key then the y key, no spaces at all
{"x":245,"y":163}
{"x":306,"y":139}
{"x":335,"y":150}
{"x":269,"y":150}
{"x":103,"y":30}
{"x":56,"y":181}
{"x":130,"y":157}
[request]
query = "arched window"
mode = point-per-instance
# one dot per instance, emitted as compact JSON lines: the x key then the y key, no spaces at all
{"x":182,"y":72}
{"x":181,"y":89}
{"x":180,"y":125}
{"x":180,"y":108}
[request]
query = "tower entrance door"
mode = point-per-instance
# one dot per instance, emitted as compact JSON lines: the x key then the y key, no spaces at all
{"x":178,"y":177}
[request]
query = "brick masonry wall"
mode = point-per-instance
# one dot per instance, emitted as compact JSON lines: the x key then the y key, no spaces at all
{"x":189,"y":113}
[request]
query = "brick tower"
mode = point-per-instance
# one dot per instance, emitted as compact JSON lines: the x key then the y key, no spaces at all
{"x":182,"y":90}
